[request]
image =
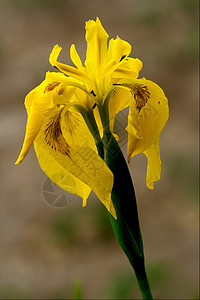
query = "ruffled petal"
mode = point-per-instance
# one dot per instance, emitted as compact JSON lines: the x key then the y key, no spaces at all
{"x":65,"y":137}
{"x":153,"y":164}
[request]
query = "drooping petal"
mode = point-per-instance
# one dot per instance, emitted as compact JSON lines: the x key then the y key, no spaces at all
{"x":153,"y":164}
{"x":60,"y":175}
{"x":37,"y":102}
{"x":52,"y":80}
{"x":65,"y":137}
{"x":148,"y":113}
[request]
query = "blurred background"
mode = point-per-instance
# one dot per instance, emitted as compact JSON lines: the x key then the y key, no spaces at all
{"x":46,"y":251}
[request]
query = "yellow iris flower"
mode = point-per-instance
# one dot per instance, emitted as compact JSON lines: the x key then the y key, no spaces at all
{"x":65,"y":143}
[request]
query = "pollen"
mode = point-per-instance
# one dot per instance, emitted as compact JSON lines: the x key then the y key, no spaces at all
{"x":54,"y":136}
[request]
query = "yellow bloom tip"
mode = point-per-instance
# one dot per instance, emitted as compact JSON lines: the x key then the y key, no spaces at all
{"x":150,"y":185}
{"x":54,"y":55}
{"x":114,"y":215}
{"x":84,"y":202}
{"x":19,"y":160}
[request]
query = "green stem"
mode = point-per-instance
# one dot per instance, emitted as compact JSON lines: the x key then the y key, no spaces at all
{"x":141,"y":276}
{"x":126,"y":226}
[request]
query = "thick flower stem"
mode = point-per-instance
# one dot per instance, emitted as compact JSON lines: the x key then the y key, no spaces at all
{"x":141,"y":276}
{"x":126,"y":227}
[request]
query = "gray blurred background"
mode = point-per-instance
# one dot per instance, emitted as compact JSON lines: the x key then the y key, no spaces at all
{"x":44,"y":250}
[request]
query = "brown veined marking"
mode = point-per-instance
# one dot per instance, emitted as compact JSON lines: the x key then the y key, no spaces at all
{"x":140,"y":92}
{"x":54,"y":136}
{"x":51,"y":86}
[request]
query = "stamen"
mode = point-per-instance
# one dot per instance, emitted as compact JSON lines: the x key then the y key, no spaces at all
{"x":54,"y":136}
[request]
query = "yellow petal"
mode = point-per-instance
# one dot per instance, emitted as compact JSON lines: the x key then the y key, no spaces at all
{"x":96,"y":38}
{"x":121,"y":96}
{"x":118,"y":101}
{"x":129,"y":68}
{"x":37,"y":103}
{"x":153,"y":164}
{"x":60,"y":175}
{"x":68,"y":70}
{"x":148,"y":113}
{"x":34,"y":123}
{"x":118,"y":49}
{"x":75,"y":57}
{"x":65,"y":136}
{"x":98,"y":121}
{"x":119,"y":65}
{"x":50,"y":83}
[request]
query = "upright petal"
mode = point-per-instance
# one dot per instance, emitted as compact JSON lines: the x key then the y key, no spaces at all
{"x":68,"y":70}
{"x":96,"y":38}
{"x":75,"y":57}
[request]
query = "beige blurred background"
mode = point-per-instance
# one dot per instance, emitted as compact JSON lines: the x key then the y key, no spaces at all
{"x":45,"y":251}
